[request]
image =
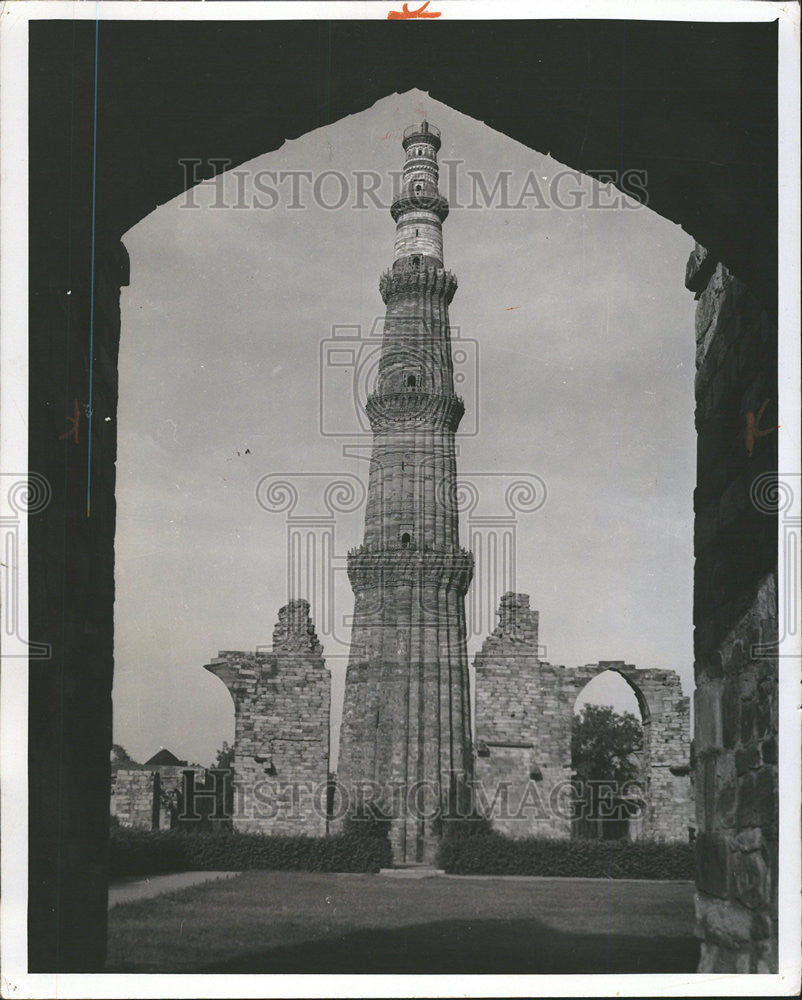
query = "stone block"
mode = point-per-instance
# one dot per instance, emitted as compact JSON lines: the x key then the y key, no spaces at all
{"x":769,"y":751}
{"x":708,"y":716}
{"x":766,"y":698}
{"x":730,"y":713}
{"x":712,"y":864}
{"x":750,"y":839}
{"x":726,"y":924}
{"x":699,"y":269}
{"x":750,"y":879}
{"x":747,"y":719}
{"x":746,"y":758}
{"x":735,"y":659}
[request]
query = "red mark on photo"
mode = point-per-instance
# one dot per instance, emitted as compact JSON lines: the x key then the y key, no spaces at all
{"x":405,"y":14}
{"x":753,"y":429}
{"x":73,"y":431}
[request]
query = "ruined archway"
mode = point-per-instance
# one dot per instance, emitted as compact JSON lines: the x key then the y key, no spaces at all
{"x":534,"y":743}
{"x":665,"y":756}
{"x":609,"y":762}
{"x":155,"y":112}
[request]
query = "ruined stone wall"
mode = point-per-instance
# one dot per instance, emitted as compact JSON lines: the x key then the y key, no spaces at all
{"x":133,"y":799}
{"x":171,"y":791}
{"x":141,"y":796}
{"x":524,"y":714}
{"x":523,"y":729}
{"x":735,"y":618}
{"x":281,"y":743}
{"x":665,"y":716}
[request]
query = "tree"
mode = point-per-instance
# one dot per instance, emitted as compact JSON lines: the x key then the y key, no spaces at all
{"x":604,"y":756}
{"x":605,"y":744}
{"x":225,"y":756}
{"x":120,"y":757}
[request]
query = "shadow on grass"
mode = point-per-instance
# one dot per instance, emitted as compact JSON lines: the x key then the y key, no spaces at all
{"x":473,"y":946}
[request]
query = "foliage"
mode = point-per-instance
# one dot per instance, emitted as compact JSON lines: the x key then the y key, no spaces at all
{"x":120,"y":757}
{"x":367,"y":821}
{"x":603,"y":743}
{"x":225,"y":757}
{"x":466,"y":826}
{"x":495,"y":854}
{"x":149,"y":852}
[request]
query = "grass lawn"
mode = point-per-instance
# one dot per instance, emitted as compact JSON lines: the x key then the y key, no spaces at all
{"x":308,"y":922}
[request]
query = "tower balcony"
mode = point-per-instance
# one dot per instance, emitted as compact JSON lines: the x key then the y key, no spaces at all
{"x":408,"y":275}
{"x":428,"y":199}
{"x":374,"y":568}
{"x":421,"y":132}
{"x":411,"y":406}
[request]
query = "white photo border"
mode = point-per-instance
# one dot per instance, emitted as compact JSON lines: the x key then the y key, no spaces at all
{"x":15,"y":17}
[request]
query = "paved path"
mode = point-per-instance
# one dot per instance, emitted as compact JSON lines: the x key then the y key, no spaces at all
{"x":131,"y":889}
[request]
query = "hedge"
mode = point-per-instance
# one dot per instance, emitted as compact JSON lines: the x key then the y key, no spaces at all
{"x":146,"y":852}
{"x":494,"y":854}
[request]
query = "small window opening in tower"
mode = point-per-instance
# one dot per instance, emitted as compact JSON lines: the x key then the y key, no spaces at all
{"x":417,"y":188}
{"x":411,"y":381}
{"x":417,"y":232}
{"x":416,"y":261}
{"x":405,"y":539}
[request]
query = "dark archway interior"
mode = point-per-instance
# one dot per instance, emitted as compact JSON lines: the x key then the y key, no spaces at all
{"x":692,"y":105}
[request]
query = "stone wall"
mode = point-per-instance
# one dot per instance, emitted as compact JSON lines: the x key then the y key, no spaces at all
{"x":132,"y":798}
{"x":523,"y":728}
{"x":281,"y":742}
{"x":666,"y":720}
{"x":150,"y":798}
{"x":735,"y":621}
{"x":524,"y":714}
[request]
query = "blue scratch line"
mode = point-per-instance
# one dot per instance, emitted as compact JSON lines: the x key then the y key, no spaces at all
{"x":92,"y":278}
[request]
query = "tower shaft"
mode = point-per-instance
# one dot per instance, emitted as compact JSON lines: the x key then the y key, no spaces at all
{"x":405,"y":741}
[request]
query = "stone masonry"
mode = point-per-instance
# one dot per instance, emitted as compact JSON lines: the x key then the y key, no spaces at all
{"x":735,"y":542}
{"x":524,"y":713}
{"x":132,"y":798}
{"x":281,"y":744}
{"x":523,"y":729}
{"x":149,"y":798}
{"x":405,"y":734}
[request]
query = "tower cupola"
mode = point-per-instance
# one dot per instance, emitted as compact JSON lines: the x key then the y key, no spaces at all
{"x":420,"y":209}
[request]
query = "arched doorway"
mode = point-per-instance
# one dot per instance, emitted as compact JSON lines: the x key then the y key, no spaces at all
{"x":609,"y":759}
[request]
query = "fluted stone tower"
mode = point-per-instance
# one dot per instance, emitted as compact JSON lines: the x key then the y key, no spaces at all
{"x":406,"y":742}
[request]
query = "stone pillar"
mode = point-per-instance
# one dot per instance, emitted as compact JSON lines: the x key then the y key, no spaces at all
{"x":735,"y":619}
{"x":281,"y":744}
{"x":71,"y":593}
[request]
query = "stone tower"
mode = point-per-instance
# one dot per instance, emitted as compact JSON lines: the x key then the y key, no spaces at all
{"x":406,"y":742}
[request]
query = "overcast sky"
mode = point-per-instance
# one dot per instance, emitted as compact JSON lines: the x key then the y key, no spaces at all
{"x":583,"y":336}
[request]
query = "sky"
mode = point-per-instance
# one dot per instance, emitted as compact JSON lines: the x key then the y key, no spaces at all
{"x":578,"y":345}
